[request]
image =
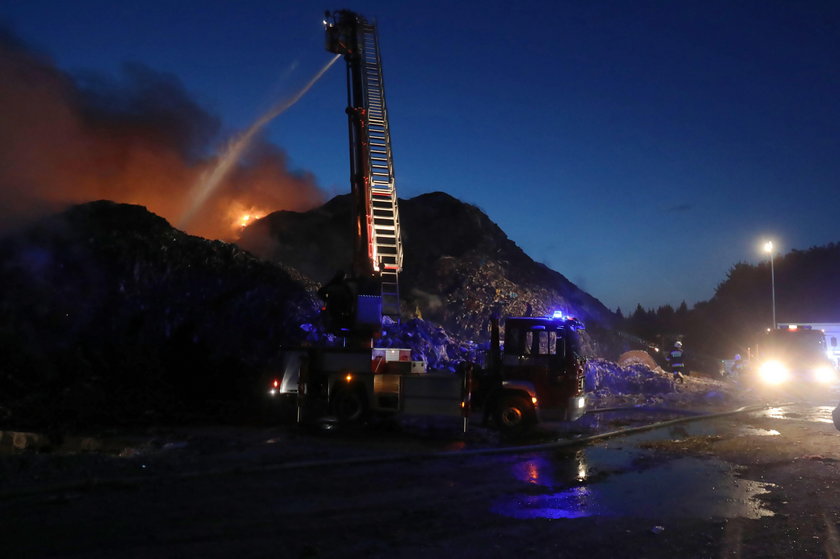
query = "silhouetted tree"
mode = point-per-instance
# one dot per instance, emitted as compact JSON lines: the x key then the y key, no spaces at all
{"x":806,"y":291}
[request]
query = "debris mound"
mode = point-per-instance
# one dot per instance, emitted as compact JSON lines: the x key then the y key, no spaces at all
{"x":110,"y":315}
{"x":636,"y":357}
{"x":460,"y":267}
{"x":432,"y":344}
{"x":606,"y":378}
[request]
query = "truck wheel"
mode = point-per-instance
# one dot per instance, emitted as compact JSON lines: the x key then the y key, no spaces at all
{"x":348,"y":405}
{"x":514,"y":415}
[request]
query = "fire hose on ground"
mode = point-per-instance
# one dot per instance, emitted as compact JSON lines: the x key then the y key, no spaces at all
{"x":401,"y":457}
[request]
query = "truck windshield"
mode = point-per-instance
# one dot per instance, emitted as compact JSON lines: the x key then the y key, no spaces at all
{"x":540,"y":341}
{"x":794,"y":343}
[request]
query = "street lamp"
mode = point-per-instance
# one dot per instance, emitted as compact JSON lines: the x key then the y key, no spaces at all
{"x":768,"y":247}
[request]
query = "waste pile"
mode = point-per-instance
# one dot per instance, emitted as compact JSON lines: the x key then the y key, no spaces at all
{"x":432,"y":344}
{"x":109,"y":314}
{"x":459,"y":268}
{"x":609,"y":384}
{"x":604,"y":377}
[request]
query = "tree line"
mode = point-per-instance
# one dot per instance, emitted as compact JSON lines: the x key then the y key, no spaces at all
{"x":807,"y":289}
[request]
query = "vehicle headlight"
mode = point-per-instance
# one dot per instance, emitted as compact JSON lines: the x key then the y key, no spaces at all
{"x":825,"y":374}
{"x":774,"y":372}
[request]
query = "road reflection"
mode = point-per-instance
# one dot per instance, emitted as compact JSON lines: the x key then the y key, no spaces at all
{"x":619,"y":479}
{"x":815,"y":414}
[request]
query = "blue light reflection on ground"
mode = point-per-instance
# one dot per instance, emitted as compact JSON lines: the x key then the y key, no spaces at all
{"x":576,"y":502}
{"x":682,"y":487}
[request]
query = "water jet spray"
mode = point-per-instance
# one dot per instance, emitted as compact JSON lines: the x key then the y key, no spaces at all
{"x":211,"y":179}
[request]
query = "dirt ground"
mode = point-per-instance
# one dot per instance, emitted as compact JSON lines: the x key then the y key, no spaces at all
{"x":386,"y":492}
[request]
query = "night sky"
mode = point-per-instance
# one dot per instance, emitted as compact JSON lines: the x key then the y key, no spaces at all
{"x":639,"y":148}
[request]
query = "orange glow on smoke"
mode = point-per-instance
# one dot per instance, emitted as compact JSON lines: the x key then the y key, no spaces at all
{"x":55,"y":151}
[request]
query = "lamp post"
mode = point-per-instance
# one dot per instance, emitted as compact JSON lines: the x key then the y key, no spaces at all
{"x":768,"y":247}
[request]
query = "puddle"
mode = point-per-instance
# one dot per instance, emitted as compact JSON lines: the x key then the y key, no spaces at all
{"x":619,"y":479}
{"x":814,"y":414}
{"x":686,"y":487}
{"x":756,"y":432}
{"x":822,"y":414}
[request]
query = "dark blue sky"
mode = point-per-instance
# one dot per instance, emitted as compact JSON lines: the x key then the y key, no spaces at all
{"x":641,"y":148}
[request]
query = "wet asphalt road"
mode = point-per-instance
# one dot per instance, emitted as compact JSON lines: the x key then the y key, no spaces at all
{"x":761,"y":484}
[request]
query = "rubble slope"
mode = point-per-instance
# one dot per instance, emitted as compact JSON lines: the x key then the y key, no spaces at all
{"x":459,"y":268}
{"x":108,"y":313}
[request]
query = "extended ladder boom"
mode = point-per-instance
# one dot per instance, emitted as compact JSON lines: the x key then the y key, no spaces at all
{"x":377,"y":246}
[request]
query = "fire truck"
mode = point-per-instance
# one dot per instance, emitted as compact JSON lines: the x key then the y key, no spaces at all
{"x":537,"y":373}
{"x":831,"y":331}
{"x":792,"y":358}
{"x":539,"y":367}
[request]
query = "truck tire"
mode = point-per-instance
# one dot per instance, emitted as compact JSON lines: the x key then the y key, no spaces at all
{"x":348,"y":405}
{"x":514,"y":415}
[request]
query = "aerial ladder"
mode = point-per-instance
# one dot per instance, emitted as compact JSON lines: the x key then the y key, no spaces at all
{"x":377,"y":247}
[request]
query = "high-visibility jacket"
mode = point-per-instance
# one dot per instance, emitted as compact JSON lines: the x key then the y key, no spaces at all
{"x":676,"y":358}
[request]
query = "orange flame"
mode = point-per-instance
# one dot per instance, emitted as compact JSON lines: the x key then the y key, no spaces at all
{"x":241,"y":215}
{"x":247,"y":218}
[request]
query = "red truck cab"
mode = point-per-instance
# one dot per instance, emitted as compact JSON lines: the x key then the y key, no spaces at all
{"x":539,"y":373}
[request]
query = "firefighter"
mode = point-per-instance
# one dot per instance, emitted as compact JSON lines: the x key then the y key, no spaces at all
{"x":738,"y":366}
{"x":676,"y":360}
{"x":339,"y":303}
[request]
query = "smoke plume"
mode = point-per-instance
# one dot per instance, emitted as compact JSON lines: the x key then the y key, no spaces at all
{"x":138,"y":139}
